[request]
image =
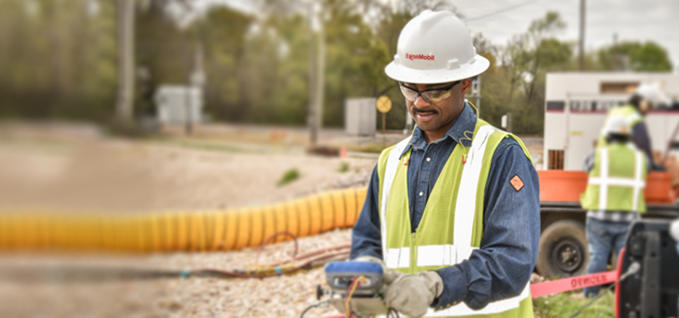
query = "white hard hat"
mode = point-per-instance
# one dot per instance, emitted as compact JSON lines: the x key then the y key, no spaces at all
{"x":653,"y":94}
{"x":435,"y":47}
{"x":674,"y":230}
{"x":616,"y":125}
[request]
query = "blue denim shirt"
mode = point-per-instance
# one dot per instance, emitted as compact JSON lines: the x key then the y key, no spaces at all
{"x":511,"y":219}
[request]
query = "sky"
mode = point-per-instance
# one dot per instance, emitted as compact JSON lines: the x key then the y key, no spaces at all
{"x":631,"y":20}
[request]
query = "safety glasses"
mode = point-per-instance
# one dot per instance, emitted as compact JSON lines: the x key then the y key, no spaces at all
{"x":430,"y":95}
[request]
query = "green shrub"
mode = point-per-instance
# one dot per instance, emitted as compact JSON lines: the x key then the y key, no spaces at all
{"x":289,"y":176}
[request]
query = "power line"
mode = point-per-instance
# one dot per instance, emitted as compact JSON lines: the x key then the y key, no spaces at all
{"x":500,"y":11}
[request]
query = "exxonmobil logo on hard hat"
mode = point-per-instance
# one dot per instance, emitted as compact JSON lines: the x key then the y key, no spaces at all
{"x":420,"y":57}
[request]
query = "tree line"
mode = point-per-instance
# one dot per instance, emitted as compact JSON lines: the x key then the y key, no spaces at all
{"x":59,"y":59}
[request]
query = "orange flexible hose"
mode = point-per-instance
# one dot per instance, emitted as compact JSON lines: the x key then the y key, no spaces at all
{"x":180,"y":231}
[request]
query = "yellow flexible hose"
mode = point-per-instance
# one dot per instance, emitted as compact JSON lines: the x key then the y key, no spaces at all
{"x":180,"y":231}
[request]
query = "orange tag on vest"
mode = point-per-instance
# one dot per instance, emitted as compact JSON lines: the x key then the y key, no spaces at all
{"x":516,"y":182}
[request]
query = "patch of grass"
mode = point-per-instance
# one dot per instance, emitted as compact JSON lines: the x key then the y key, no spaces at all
{"x":344,"y":167}
{"x":289,"y":176}
{"x":565,"y":305}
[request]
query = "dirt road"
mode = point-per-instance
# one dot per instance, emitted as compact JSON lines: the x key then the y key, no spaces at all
{"x":79,"y":168}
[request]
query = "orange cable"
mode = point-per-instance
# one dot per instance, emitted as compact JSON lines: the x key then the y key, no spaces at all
{"x":356,"y":282}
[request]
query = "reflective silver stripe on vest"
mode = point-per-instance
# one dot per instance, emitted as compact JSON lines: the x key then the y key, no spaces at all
{"x":495,"y":307}
{"x":637,"y":176}
{"x":603,"y":173}
{"x":465,"y":206}
{"x":397,"y":257}
{"x":389,"y":173}
{"x":604,"y":181}
{"x":442,"y":255}
{"x":436,"y":255}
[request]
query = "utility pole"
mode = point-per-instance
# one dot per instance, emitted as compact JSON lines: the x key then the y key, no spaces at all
{"x":320,"y":76}
{"x":188,"y":121}
{"x":581,"y":48}
{"x":311,"y":117}
{"x":614,"y":57}
{"x":124,"y":107}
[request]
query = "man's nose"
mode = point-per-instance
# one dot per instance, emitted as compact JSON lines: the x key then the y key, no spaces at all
{"x":419,"y":102}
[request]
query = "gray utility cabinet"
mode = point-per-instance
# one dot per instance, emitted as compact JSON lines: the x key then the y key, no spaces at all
{"x":179,"y":104}
{"x":360,"y":116}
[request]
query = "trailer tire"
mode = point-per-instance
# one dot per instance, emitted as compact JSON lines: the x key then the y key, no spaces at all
{"x":563,"y":250}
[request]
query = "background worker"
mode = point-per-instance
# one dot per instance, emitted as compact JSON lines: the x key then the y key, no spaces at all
{"x":645,"y":98}
{"x":614,"y":196}
{"x":453,"y":211}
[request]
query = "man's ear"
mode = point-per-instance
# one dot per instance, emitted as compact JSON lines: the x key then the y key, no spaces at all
{"x":466,"y":85}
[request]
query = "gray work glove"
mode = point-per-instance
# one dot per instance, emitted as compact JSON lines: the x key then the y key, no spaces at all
{"x":412,"y":294}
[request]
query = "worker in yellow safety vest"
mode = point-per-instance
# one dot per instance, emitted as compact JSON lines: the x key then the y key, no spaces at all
{"x":453,"y":211}
{"x":645,"y":97}
{"x":614,"y":196}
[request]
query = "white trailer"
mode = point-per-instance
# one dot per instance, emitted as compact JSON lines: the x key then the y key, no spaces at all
{"x":576,"y":105}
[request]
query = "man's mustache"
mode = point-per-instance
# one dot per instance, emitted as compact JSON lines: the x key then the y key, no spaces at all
{"x":417,"y":110}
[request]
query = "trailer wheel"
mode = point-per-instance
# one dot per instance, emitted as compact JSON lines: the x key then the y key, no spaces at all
{"x":563,"y":250}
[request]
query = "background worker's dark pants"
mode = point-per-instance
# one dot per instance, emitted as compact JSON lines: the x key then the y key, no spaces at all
{"x":603,"y":236}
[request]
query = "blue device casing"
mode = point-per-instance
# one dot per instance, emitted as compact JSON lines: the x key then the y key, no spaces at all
{"x":340,"y":275}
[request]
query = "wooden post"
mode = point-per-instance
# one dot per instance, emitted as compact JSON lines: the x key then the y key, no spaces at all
{"x":384,"y":129}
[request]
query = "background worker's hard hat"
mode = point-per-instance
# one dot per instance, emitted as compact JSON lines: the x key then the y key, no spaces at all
{"x":653,"y":94}
{"x":616,"y":125}
{"x":435,"y":47}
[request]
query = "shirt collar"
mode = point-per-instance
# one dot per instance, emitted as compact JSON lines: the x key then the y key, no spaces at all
{"x":465,"y":122}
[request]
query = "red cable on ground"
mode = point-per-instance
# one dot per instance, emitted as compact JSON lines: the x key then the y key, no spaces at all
{"x":294,"y":256}
{"x":271,"y":237}
{"x":282,"y":271}
{"x":321,"y":251}
{"x":309,"y":258}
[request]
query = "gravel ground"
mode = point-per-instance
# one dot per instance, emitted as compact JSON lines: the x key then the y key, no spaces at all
{"x":70,"y":167}
{"x":55,"y":295}
{"x":75,"y":167}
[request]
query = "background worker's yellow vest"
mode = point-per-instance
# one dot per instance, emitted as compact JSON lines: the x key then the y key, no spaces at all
{"x":452,"y":222}
{"x":631,"y":115}
{"x":617,"y":181}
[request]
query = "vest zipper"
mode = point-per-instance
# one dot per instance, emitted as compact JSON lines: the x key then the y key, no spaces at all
{"x":413,"y":254}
